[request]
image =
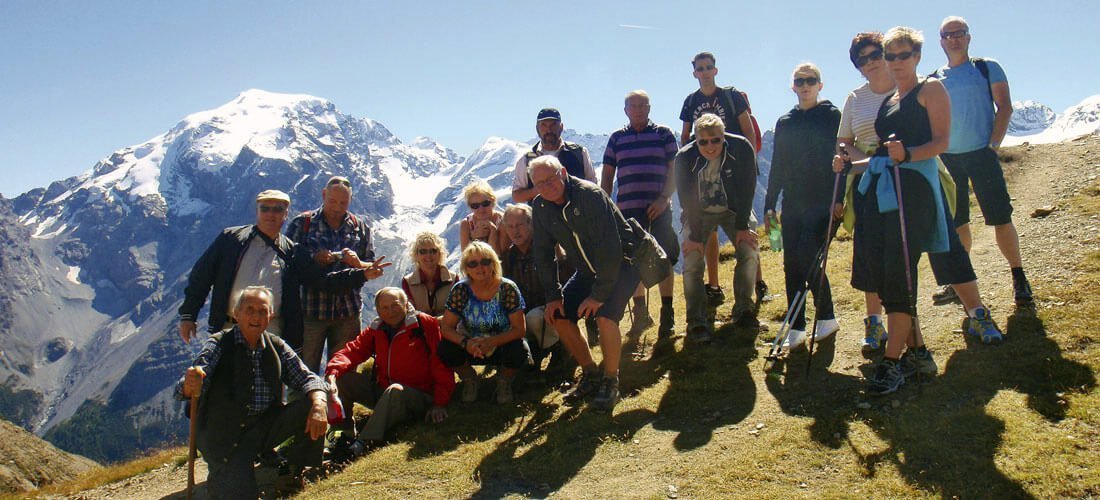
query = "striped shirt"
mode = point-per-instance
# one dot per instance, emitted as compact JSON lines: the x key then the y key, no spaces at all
{"x":641,"y":162}
{"x":317,"y":235}
{"x":295,"y":374}
{"x":857,"y":120}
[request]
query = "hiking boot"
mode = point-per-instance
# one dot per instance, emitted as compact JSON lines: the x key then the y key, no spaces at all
{"x":584,"y":390}
{"x":607,"y":395}
{"x":715,"y":295}
{"x":469,"y":389}
{"x":697,"y":335}
{"x":826,"y":328}
{"x":668,"y":323}
{"x":794,"y":339}
{"x":874,"y":336}
{"x":744,"y":319}
{"x":1022,"y":291}
{"x":504,"y":389}
{"x":340,"y":451}
{"x":945,"y":295}
{"x":914,"y":361}
{"x":762,"y":294}
{"x":983,"y":327}
{"x":886,"y":380}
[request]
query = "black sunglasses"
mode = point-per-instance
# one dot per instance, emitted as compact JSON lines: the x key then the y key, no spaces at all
{"x":272,"y":208}
{"x":427,"y":251}
{"x":810,"y":80}
{"x":951,"y":35}
{"x":704,"y":142}
{"x":874,"y":55}
{"x":472,"y":264}
{"x":486,"y":203}
{"x":891,"y":56}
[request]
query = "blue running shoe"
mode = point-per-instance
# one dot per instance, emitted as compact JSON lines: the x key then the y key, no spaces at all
{"x":983,"y":327}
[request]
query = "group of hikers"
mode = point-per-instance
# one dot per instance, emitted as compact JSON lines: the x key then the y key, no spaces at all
{"x":900,"y":156}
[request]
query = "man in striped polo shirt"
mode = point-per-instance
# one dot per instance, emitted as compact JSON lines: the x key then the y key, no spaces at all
{"x":639,"y":156}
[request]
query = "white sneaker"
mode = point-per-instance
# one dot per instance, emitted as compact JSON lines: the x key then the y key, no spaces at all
{"x":825,"y":328}
{"x":794,"y":338}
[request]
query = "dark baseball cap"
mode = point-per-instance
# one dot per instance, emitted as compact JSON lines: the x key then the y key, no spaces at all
{"x":549,"y":114}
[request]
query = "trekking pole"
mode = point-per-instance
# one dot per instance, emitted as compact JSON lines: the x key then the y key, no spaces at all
{"x":784,"y":330}
{"x":191,"y":446}
{"x":915,"y":323}
{"x":821,"y":270}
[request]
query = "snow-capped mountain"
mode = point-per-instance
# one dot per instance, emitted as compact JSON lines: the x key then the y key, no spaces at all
{"x":1029,"y":117}
{"x":1076,"y":121}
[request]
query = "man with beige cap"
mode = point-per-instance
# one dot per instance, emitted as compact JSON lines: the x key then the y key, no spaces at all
{"x":259,"y":255}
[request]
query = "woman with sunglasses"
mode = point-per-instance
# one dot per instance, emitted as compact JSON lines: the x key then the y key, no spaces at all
{"x":484,"y":221}
{"x":429,"y":283}
{"x":897,"y":227}
{"x":803,"y":155}
{"x":858,"y":139}
{"x":490,"y":309}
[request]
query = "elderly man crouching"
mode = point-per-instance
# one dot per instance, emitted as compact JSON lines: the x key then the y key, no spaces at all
{"x":409,"y":382}
{"x":238,"y":378}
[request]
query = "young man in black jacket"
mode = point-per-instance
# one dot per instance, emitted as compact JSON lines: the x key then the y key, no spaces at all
{"x":805,"y":140}
{"x":716,"y":177}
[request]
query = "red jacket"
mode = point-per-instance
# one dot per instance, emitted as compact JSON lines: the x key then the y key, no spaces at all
{"x":410,"y":360}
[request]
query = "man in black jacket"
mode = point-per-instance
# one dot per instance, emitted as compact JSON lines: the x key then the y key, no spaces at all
{"x":716,"y":178}
{"x":580,"y":217}
{"x":258,"y":254}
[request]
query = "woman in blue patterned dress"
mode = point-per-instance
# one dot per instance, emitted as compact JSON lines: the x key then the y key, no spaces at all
{"x":490,"y":309}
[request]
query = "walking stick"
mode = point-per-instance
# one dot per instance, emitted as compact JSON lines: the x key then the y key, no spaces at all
{"x":905,"y":253}
{"x":191,"y":447}
{"x":821,"y":270}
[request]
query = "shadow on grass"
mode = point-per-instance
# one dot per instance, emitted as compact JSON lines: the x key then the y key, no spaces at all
{"x":940,"y":436}
{"x":544,"y":454}
{"x":710,"y":386}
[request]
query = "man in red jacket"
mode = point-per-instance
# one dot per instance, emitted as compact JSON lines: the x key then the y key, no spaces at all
{"x":409,"y":379}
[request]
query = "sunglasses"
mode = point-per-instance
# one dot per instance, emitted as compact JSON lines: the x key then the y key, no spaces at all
{"x":271,"y":208}
{"x":340,"y":181}
{"x":427,"y":251}
{"x":891,"y":56}
{"x":472,"y":264}
{"x":951,"y":35}
{"x":486,"y":203}
{"x":810,"y":80}
{"x":875,"y":55}
{"x":716,"y":140}
{"x":703,"y":68}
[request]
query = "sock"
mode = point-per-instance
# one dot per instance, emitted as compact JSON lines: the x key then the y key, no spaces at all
{"x":973,"y":313}
{"x":1018,"y":274}
{"x":640,"y":301}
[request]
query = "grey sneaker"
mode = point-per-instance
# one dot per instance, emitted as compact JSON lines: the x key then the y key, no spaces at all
{"x":607,"y":395}
{"x":715,"y":295}
{"x":886,"y":380}
{"x":698,"y":335}
{"x":584,"y":390}
{"x":914,"y":361}
{"x":945,"y":295}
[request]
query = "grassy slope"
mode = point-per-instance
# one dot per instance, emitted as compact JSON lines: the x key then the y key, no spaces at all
{"x":1017,"y":420}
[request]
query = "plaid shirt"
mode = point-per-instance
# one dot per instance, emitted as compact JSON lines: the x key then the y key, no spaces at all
{"x":317,"y":235}
{"x":295,"y":373}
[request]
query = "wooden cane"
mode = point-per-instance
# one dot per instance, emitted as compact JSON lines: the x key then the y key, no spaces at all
{"x":191,"y":447}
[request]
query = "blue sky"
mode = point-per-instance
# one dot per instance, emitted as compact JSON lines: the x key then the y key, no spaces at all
{"x":79,"y":80}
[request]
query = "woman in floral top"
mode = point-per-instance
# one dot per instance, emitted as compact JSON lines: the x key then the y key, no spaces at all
{"x":490,"y":309}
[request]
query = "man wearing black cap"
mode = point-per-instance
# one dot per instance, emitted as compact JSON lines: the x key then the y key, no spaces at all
{"x":573,"y":156}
